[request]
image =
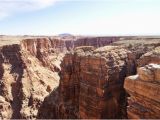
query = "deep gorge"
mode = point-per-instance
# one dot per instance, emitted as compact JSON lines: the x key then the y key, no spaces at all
{"x":88,"y":78}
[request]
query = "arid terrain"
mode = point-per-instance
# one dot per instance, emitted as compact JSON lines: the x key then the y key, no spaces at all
{"x":77,"y":77}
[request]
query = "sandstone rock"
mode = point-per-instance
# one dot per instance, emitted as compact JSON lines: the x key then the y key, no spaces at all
{"x":91,"y":80}
{"x":157,"y":73}
{"x":31,"y":82}
{"x":45,"y":50}
{"x":150,"y":72}
{"x":91,"y":84}
{"x":145,"y":74}
{"x":150,"y":57}
{"x":143,"y":89}
{"x":5,"y":109}
{"x":95,"y":41}
{"x":25,"y":82}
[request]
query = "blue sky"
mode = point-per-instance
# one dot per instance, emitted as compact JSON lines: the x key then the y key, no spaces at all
{"x":80,"y":17}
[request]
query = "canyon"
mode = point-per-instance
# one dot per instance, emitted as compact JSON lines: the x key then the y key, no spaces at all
{"x":80,"y":78}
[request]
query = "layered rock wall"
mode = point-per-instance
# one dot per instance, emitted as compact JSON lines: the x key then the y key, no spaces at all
{"x":11,"y":73}
{"x":95,"y":41}
{"x":53,"y":78}
{"x":24,"y":80}
{"x":91,"y":84}
{"x":89,"y":41}
{"x":143,"y":88}
{"x":152,"y":56}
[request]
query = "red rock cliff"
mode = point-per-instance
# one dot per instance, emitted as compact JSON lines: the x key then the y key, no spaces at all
{"x":40,"y":78}
{"x":143,"y":88}
{"x":91,"y":84}
{"x":28,"y":73}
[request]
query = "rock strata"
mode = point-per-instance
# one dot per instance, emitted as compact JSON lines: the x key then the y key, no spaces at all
{"x":91,"y":84}
{"x":143,"y":88}
{"x":24,"y":80}
{"x":150,"y":57}
{"x":74,"y":78}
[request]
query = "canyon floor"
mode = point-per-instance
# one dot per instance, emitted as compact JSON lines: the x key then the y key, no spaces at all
{"x":79,"y":77}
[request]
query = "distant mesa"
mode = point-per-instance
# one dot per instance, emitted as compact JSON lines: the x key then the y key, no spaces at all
{"x":65,"y":35}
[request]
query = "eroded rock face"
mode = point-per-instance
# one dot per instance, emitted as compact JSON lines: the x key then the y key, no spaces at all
{"x":95,"y":41}
{"x":29,"y":72}
{"x":138,"y":46}
{"x":53,"y":78}
{"x":143,"y":88}
{"x":46,"y":50}
{"x":38,"y":82}
{"x":5,"y":109}
{"x":91,"y":84}
{"x":150,"y":57}
{"x":24,"y":80}
{"x":11,"y":73}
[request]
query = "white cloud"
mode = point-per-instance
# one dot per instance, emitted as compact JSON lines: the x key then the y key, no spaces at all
{"x":9,"y":7}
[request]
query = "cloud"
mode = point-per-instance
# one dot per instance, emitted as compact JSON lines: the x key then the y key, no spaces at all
{"x":9,"y":7}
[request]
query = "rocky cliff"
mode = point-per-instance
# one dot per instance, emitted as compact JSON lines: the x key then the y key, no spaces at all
{"x":90,"y":41}
{"x":53,"y":78}
{"x":28,"y":75}
{"x":91,"y":84}
{"x":143,"y":88}
{"x":101,"y":75}
{"x":95,"y":41}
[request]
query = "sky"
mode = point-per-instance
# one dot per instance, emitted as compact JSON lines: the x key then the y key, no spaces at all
{"x":80,"y":17}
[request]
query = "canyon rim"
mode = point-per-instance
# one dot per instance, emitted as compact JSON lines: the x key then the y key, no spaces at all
{"x":83,"y":78}
{"x":79,"y":59}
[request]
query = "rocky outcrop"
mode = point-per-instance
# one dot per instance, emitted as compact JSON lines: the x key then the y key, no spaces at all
{"x":89,"y":41}
{"x":143,"y":88}
{"x":24,"y":80}
{"x":150,"y":57}
{"x":46,"y":50}
{"x":38,"y":82}
{"x":12,"y":71}
{"x":91,"y":84}
{"x":43,"y":47}
{"x":95,"y":41}
{"x":29,"y":72}
{"x":138,"y":46}
{"x":53,"y":78}
{"x":5,"y":108}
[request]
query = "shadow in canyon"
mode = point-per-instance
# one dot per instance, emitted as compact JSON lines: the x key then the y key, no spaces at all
{"x":49,"y":107}
{"x":12,"y":55}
